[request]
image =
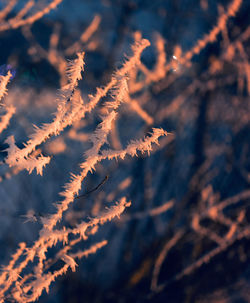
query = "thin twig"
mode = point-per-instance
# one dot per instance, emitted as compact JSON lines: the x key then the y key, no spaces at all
{"x":94,"y":189}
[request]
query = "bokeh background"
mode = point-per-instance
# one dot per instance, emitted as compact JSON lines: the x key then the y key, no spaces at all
{"x":205,"y":160}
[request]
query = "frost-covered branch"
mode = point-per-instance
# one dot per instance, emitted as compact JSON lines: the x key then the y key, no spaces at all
{"x":63,"y":118}
{"x":21,"y":157}
{"x":5,"y":119}
{"x":4,"y":80}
